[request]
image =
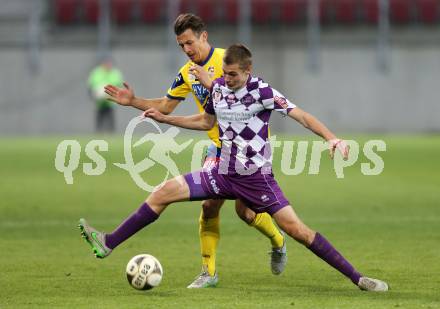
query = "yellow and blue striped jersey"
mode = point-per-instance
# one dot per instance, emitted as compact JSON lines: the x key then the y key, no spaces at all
{"x":186,"y":83}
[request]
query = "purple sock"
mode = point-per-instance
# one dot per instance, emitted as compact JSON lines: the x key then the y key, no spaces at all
{"x":137,"y":220}
{"x":323,"y":249}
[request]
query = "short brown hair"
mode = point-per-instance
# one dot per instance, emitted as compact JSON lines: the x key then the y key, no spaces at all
{"x":238,"y":53}
{"x":189,"y":21}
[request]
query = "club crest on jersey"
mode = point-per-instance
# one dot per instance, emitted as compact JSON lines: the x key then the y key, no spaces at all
{"x":281,"y":101}
{"x":200,"y":92}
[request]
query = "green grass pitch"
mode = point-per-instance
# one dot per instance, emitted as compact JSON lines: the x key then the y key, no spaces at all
{"x":388,"y":226}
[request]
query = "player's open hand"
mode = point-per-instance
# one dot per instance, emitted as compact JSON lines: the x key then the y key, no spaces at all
{"x":122,"y":96}
{"x":340,"y":145}
{"x":200,"y":73}
{"x":154,"y":114}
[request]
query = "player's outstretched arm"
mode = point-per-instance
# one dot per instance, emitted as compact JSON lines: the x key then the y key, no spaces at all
{"x":313,"y":124}
{"x":201,"y":122}
{"x":125,"y":96}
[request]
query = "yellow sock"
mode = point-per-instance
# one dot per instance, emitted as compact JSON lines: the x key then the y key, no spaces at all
{"x":263,"y":222}
{"x":209,"y":235}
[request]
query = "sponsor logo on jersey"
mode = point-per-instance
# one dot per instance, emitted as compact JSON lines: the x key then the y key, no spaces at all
{"x":264,"y":198}
{"x":248,"y":99}
{"x":200,"y":92}
{"x":217,"y":96}
{"x":281,"y":102}
{"x":177,"y":81}
{"x":228,"y":115}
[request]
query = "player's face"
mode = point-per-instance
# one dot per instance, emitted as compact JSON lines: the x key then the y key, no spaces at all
{"x":235,"y":77}
{"x":192,"y":45}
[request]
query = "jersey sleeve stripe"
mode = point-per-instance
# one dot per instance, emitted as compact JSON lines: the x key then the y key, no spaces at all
{"x":175,"y":98}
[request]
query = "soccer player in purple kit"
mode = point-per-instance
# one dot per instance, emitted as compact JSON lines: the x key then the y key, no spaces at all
{"x":204,"y":64}
{"x":241,"y":104}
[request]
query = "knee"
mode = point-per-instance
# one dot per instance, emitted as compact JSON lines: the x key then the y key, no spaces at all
{"x":160,"y":195}
{"x":300,"y":233}
{"x":211,"y":208}
{"x":244,"y":213}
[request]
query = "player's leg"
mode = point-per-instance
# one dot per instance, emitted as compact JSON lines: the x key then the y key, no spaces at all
{"x":105,"y":124}
{"x":264,"y":224}
{"x":209,"y":233}
{"x":209,"y":229}
{"x":111,"y":120}
{"x":287,"y":220}
{"x":102,"y":244}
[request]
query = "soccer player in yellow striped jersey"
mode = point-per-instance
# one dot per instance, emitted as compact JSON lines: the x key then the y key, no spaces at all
{"x":203,"y":66}
{"x":187,"y":82}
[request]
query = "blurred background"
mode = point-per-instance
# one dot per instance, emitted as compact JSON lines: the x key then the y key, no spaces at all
{"x":359,"y":65}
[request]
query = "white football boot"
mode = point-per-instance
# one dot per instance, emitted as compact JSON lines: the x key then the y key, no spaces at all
{"x":204,"y":280}
{"x":370,"y":284}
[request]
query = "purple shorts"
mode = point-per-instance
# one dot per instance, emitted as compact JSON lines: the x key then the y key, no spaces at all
{"x":259,"y":192}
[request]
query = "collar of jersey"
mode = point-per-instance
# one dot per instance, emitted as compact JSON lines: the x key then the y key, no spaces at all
{"x":207,"y":58}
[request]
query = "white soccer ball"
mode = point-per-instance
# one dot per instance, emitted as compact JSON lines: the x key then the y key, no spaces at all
{"x":144,"y":272}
